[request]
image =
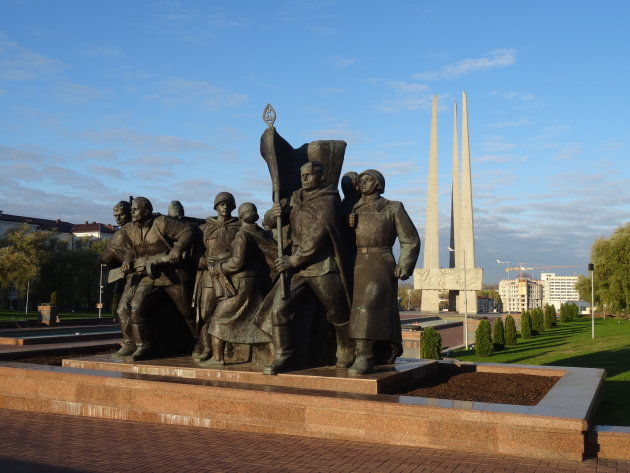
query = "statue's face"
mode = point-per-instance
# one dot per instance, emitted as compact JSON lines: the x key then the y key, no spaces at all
{"x":368,"y":184}
{"x":311,"y":179}
{"x":121,"y":216}
{"x":139,"y":212}
{"x":223,"y":209}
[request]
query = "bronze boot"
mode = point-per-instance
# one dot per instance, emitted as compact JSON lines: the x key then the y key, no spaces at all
{"x":203,"y":349}
{"x":128,"y":346}
{"x":218,"y":347}
{"x":345,"y":346}
{"x":142,"y":339}
{"x":283,"y":360}
{"x":363,"y":362}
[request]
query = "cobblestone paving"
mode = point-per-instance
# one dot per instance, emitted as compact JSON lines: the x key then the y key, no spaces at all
{"x":45,"y":443}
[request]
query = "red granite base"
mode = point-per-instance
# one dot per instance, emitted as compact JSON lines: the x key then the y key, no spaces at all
{"x":555,"y":428}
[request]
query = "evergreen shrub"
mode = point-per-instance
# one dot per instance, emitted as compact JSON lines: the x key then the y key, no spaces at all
{"x":510,"y":331}
{"x":538,"y":324}
{"x":483,"y":339}
{"x":430,"y":344}
{"x":498,"y":334}
{"x":526,"y":325}
{"x":549,"y":318}
{"x":564,"y":317}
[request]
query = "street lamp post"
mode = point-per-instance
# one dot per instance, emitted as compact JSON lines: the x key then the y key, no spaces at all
{"x":509,"y":285}
{"x":465,"y":299}
{"x":592,"y":268}
{"x":28,"y":288}
{"x":100,"y":293}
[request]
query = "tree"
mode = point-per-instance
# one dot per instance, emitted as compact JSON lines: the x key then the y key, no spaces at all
{"x":611,"y":259}
{"x":430,"y":344}
{"x":538,"y":324}
{"x":498,"y":334}
{"x":22,"y":255}
{"x":564,"y":316}
{"x":483,"y":339}
{"x":510,"y":331}
{"x":550,"y":317}
{"x":409,"y":297}
{"x":526,"y":325}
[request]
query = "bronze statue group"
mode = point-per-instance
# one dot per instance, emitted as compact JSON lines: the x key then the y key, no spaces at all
{"x":328,"y":297}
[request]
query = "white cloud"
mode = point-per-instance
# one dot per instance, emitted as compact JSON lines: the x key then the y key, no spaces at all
{"x":497,"y":58}
{"x":342,"y":61}
{"x":569,"y":151}
{"x":513,"y":96}
{"x":70,"y":92}
{"x":107,"y":172}
{"x":551,"y":132}
{"x":19,"y":63}
{"x":179,"y":91}
{"x":145,"y":141}
{"x":496,"y":143}
{"x":520,"y":122}
{"x":104,"y":51}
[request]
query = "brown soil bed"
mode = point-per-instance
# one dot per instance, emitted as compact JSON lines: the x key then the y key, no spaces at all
{"x":500,"y":388}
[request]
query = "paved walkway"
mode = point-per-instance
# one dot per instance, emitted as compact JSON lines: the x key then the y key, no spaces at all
{"x":46,"y":443}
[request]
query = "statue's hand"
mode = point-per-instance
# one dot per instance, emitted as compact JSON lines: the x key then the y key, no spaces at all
{"x":175,"y":256}
{"x":352,"y":220}
{"x":283,"y":263}
{"x":203,"y":263}
{"x":276,"y":210}
{"x":125,"y":266}
{"x":400,"y":273}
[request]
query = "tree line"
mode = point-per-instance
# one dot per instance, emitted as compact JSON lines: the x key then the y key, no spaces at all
{"x":53,"y":269}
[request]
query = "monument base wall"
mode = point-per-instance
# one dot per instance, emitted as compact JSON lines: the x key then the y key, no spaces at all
{"x":555,"y":428}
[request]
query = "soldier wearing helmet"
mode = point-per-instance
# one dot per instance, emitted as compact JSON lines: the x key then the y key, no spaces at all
{"x":218,"y":233}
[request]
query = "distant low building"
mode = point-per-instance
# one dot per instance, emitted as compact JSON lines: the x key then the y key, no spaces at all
{"x":65,"y":230}
{"x":93,"y":230}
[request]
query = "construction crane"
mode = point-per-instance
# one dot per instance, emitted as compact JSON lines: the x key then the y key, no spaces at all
{"x":524,"y":266}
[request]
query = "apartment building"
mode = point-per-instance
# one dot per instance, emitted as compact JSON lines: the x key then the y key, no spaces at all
{"x":520,"y":294}
{"x":559,"y":289}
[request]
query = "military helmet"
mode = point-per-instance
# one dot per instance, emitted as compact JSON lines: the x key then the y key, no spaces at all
{"x":225,"y":197}
{"x":376,"y":175}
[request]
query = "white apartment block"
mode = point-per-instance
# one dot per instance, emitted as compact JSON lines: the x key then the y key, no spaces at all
{"x":559,"y":289}
{"x":521,"y":294}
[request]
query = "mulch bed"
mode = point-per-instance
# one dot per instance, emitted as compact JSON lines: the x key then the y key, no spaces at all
{"x":500,"y":388}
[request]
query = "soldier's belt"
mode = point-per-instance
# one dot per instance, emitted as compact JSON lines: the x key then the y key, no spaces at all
{"x":374,"y":249}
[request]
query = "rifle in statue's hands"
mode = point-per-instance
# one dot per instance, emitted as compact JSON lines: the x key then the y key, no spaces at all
{"x":149,"y":265}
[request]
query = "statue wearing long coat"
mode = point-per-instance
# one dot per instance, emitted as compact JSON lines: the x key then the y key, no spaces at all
{"x":374,"y":314}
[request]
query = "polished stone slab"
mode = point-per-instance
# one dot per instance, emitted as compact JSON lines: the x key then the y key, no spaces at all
{"x":385,"y":379}
{"x":542,"y":431}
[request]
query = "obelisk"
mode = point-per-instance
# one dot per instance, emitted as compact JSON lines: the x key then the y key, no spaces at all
{"x":431,"y":297}
{"x":455,"y":260}
{"x":467,"y":235}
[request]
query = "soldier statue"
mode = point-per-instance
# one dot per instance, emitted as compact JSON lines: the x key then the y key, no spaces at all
{"x":113,"y":256}
{"x":217,"y":234}
{"x":316,"y":266}
{"x":374,"y":316}
{"x":156,"y":244}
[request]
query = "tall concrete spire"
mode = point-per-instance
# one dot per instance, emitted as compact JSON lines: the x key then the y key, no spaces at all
{"x":430,"y":298}
{"x":455,"y":257}
{"x":467,"y":235}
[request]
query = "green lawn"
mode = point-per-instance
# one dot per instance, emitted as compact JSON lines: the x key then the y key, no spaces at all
{"x":14,"y":315}
{"x":571,"y":344}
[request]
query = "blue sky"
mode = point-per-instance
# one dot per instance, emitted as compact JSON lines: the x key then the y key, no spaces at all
{"x":102,"y":100}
